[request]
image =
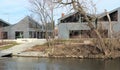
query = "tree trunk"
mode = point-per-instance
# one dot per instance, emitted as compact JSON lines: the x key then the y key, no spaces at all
{"x":91,"y":26}
{"x":101,"y":43}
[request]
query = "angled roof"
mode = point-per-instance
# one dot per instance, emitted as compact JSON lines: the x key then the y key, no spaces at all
{"x":70,"y":14}
{"x":28,"y":20}
{"x":4,"y":23}
{"x":104,"y":14}
{"x":99,"y":15}
{"x":33,"y":22}
{"x":65,"y":16}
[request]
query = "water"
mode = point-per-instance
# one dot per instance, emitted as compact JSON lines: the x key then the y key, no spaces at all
{"x":58,"y":64}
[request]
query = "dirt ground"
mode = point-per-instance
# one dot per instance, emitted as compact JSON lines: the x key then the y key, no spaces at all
{"x":75,"y":49}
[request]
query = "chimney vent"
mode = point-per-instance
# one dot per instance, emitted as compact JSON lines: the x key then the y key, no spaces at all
{"x":63,"y":14}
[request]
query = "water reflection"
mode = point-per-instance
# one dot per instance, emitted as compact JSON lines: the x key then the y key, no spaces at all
{"x":58,"y":64}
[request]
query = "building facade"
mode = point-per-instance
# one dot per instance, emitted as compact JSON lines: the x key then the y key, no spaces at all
{"x":74,"y":25}
{"x":26,"y":28}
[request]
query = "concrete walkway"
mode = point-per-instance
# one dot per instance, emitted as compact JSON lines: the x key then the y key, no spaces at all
{"x":22,"y":47}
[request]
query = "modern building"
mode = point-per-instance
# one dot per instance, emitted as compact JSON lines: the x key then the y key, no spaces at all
{"x":74,"y":25}
{"x":26,"y":28}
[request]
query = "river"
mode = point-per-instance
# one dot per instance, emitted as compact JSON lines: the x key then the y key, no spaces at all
{"x":20,"y":63}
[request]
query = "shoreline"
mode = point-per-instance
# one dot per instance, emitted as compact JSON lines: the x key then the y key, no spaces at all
{"x":44,"y":55}
{"x":68,"y":49}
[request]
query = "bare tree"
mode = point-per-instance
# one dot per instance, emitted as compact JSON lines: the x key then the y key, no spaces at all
{"x":84,"y":7}
{"x":44,"y":9}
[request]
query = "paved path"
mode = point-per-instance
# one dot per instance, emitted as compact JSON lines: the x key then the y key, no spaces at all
{"x":22,"y":47}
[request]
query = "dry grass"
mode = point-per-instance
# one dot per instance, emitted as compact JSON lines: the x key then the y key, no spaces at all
{"x":6,"y":45}
{"x":78,"y":48}
{"x":38,"y":48}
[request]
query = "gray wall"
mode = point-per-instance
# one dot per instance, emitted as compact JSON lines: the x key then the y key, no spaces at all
{"x":21,"y":26}
{"x":64,"y":28}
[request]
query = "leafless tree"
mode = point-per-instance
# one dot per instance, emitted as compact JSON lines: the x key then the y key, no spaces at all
{"x":84,"y":7}
{"x":44,"y":9}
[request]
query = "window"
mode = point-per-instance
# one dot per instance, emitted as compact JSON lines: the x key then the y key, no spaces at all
{"x":18,"y":34}
{"x":5,"y":35}
{"x":113,"y":16}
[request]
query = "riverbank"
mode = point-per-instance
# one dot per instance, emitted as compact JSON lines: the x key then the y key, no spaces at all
{"x":72,"y":49}
{"x":46,"y":55}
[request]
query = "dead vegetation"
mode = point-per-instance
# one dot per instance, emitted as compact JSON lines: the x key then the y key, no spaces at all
{"x":81,"y":49}
{"x":38,"y":48}
{"x":6,"y":45}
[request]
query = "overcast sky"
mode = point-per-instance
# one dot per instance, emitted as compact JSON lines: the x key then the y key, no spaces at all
{"x":13,"y":11}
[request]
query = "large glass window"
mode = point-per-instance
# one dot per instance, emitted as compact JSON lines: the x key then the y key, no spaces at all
{"x":19,"y":34}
